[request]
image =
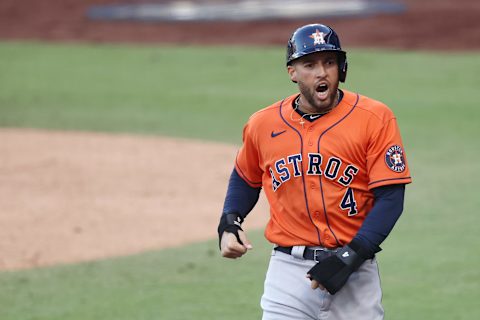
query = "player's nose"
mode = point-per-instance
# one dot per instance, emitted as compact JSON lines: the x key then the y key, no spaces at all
{"x":320,"y":70}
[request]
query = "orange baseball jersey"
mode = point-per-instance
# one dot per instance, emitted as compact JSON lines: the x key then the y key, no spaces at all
{"x":318,"y":176}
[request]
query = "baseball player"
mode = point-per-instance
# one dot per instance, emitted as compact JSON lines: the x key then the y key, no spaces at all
{"x":333,"y":168}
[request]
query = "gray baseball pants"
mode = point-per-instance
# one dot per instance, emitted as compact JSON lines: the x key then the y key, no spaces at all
{"x":288,"y":295}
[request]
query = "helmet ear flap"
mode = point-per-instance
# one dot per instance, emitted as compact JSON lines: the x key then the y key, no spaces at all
{"x":290,"y":51}
{"x":342,"y":66}
{"x":342,"y":72}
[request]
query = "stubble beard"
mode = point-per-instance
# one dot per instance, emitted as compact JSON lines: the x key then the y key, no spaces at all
{"x":316,"y":106}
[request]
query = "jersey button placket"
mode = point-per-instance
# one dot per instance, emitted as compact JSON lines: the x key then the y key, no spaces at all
{"x":310,"y":141}
{"x":312,"y":184}
{"x":326,"y":234}
{"x":317,"y":220}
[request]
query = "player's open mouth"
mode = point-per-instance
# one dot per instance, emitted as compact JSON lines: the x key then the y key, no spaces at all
{"x":322,"y":90}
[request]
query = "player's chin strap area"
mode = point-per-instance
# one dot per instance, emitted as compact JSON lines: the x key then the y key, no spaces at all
{"x":333,"y":271}
{"x":230,"y":222}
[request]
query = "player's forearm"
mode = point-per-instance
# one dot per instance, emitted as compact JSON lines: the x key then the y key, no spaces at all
{"x":382,"y":218}
{"x":239,"y":201}
{"x":241,"y":197}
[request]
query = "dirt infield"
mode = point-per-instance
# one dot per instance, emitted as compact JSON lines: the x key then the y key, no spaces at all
{"x":428,"y":24}
{"x":68,"y":197}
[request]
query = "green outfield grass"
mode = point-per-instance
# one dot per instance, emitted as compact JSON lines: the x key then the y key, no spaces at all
{"x":191,"y":282}
{"x":430,"y":267}
{"x":191,"y":92}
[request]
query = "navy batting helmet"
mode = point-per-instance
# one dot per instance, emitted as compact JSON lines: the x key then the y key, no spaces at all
{"x":314,"y":38}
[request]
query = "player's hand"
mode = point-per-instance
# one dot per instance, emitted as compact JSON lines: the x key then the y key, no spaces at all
{"x":333,"y":272}
{"x":231,"y":248}
{"x":315,"y":284}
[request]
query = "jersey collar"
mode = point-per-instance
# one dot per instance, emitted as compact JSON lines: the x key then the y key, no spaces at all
{"x":294,"y":118}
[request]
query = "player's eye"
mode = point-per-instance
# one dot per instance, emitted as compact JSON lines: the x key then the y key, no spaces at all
{"x":331,"y":62}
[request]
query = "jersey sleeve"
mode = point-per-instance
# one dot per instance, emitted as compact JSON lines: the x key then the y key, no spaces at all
{"x":386,"y":159}
{"x":247,"y":160}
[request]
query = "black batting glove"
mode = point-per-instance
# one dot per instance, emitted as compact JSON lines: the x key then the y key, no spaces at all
{"x":333,"y":272}
{"x":230,"y":222}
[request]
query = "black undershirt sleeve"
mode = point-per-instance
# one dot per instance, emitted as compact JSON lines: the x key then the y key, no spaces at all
{"x":381,"y":219}
{"x":241,"y":197}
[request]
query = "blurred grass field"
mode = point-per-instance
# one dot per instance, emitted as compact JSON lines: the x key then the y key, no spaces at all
{"x":429,"y":265}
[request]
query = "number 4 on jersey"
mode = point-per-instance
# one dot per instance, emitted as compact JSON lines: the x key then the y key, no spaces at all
{"x":349,"y":203}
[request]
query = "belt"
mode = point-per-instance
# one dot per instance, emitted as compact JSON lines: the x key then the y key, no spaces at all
{"x":309,"y":253}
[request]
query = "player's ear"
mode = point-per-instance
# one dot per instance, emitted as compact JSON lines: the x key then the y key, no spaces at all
{"x":292,"y":73}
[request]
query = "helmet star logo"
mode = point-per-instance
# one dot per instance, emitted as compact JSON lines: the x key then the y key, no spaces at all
{"x":318,"y":37}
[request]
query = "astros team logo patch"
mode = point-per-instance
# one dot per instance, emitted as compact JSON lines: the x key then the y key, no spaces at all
{"x":318,"y":37}
{"x":394,"y":159}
